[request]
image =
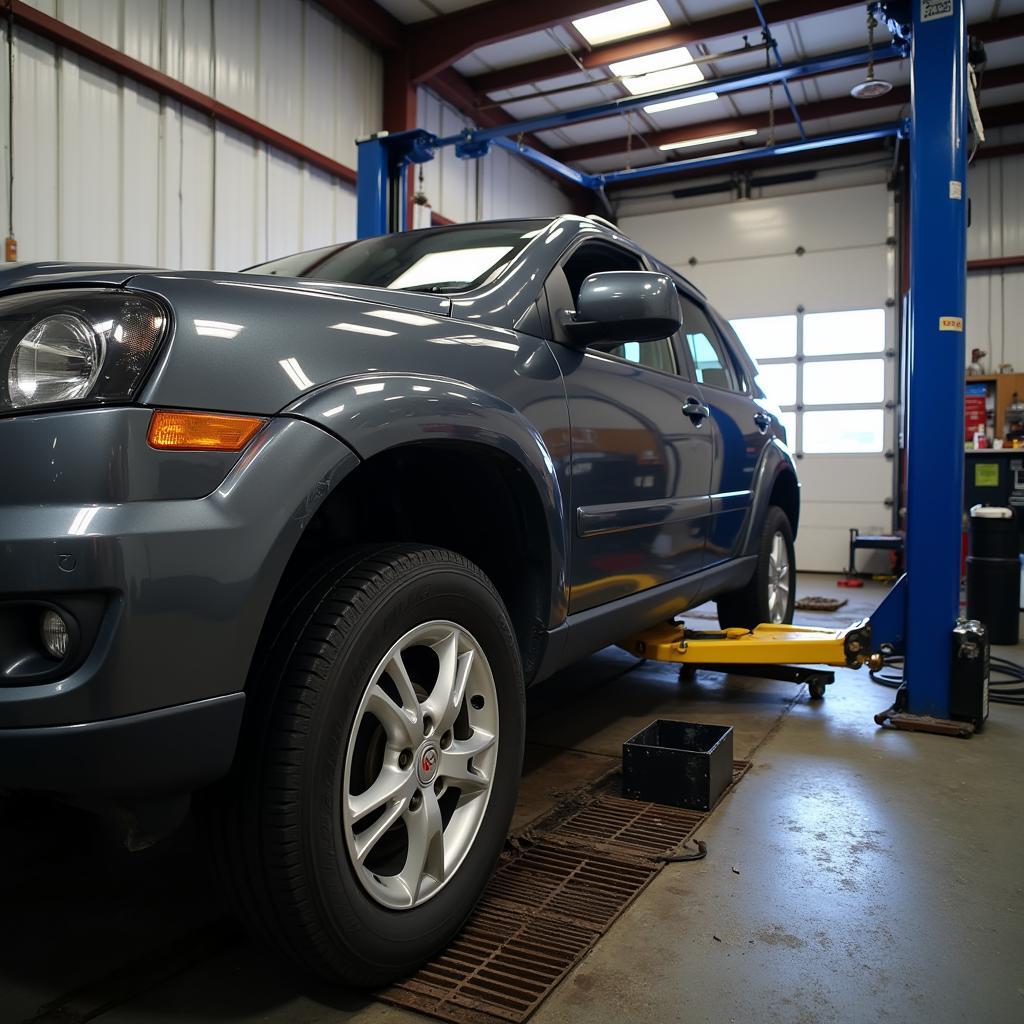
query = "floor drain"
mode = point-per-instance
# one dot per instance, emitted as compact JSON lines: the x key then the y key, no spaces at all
{"x":546,"y":906}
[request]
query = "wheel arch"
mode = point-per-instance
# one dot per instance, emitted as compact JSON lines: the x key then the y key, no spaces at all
{"x":775,"y":483}
{"x":464,"y":471}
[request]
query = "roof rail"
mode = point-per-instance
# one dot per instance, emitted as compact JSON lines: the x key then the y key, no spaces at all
{"x":602,"y":220}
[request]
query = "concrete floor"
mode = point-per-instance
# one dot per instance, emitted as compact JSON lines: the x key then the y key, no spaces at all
{"x":856,"y":874}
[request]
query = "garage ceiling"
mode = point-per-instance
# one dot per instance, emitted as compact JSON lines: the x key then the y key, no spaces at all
{"x":518,"y":60}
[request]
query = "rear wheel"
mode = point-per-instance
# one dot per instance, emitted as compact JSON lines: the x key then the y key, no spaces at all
{"x":379,"y":767}
{"x":771,"y":592}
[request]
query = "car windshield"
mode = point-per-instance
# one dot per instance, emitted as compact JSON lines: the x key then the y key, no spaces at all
{"x":450,"y":259}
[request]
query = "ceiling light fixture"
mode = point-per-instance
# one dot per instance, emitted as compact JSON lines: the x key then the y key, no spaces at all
{"x":631,"y":20}
{"x":685,"y":101}
{"x":871,"y":87}
{"x":708,"y":139}
{"x":655,"y":72}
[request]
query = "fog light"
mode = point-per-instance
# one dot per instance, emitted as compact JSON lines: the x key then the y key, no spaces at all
{"x":55,"y":634}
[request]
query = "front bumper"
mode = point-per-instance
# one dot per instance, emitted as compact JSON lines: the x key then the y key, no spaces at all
{"x":185,"y":581}
{"x":174,"y":750}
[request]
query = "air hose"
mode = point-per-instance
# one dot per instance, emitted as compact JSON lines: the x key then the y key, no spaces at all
{"x":1006,"y":690}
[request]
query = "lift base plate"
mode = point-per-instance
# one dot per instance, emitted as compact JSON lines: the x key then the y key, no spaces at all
{"x":893,"y":719}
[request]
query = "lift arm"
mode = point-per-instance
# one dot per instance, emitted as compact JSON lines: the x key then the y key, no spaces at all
{"x":767,"y":644}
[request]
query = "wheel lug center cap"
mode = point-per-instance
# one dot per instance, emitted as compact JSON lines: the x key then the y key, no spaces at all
{"x":426,"y":764}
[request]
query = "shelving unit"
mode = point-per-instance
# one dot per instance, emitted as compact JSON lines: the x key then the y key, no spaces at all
{"x":1001,"y":388}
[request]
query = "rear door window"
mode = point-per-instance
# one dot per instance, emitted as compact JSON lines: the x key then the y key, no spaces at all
{"x":711,"y":362}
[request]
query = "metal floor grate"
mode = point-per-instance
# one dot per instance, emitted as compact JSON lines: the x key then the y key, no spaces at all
{"x":547,"y":904}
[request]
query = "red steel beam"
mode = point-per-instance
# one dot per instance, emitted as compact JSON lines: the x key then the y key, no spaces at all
{"x":438,"y":43}
{"x":1000,"y":117}
{"x":370,"y":20}
{"x":996,"y":263}
{"x":70,"y":38}
{"x":999,"y":30}
{"x":734,"y":23}
{"x":993,"y":152}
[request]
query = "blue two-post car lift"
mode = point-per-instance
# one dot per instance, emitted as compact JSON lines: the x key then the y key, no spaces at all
{"x":918,"y":618}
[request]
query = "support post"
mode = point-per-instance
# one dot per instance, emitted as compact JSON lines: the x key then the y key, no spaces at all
{"x":935,"y":431}
{"x":372,"y":187}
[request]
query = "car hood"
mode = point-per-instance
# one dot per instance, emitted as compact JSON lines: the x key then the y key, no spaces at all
{"x":49,"y":274}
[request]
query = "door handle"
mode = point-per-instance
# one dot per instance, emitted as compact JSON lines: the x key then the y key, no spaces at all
{"x":763,"y":421}
{"x":697,"y":411}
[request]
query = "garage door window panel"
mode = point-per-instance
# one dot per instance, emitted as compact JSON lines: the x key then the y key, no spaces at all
{"x":846,"y":431}
{"x":767,"y":337}
{"x":844,"y":332}
{"x":843,"y":381}
{"x":827,"y":372}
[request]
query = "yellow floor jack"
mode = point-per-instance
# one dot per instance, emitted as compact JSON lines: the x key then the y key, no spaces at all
{"x":794,"y":654}
{"x":768,"y":651}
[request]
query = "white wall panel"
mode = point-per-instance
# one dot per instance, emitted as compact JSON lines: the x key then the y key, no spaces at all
{"x":995,"y":299}
{"x":108,"y":170}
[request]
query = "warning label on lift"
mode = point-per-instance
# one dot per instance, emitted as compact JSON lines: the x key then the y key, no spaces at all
{"x":951,"y":323}
{"x":932,"y":9}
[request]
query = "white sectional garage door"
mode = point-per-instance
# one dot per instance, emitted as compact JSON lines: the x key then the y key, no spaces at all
{"x":807,"y":280}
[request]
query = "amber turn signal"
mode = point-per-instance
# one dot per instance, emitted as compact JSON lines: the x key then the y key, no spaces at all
{"x":202,"y":431}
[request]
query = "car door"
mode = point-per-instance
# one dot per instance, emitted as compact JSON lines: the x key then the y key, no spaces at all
{"x":737,"y":424}
{"x":640,"y":467}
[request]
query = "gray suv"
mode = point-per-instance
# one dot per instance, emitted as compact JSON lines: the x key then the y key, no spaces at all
{"x":294,"y":540}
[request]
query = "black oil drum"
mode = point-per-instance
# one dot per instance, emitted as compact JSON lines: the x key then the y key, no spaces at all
{"x":993,"y":572}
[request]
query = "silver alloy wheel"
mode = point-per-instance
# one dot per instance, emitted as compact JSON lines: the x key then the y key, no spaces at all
{"x":779,"y":582}
{"x":420,"y":764}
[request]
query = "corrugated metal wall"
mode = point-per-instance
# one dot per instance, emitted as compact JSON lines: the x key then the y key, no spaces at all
{"x":500,"y":185}
{"x":107,"y":170}
{"x":995,"y":300}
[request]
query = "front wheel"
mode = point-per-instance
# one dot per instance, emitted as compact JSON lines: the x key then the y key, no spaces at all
{"x":380,"y":765}
{"x":771,"y":592}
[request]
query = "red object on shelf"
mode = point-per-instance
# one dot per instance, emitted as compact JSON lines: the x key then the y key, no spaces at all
{"x":975,"y":417}
{"x":849,"y":581}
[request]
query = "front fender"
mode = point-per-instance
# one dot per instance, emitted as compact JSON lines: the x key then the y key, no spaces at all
{"x":375,"y":412}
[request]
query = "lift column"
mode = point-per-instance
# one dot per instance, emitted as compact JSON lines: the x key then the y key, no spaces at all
{"x":938,"y":288}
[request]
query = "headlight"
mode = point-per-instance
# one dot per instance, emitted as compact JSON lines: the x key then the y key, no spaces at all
{"x":76,"y":345}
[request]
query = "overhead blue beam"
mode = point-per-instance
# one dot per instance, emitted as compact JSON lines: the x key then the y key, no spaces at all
{"x":755,"y":153}
{"x":722,"y":86}
{"x":543,"y":160}
{"x":778,"y":61}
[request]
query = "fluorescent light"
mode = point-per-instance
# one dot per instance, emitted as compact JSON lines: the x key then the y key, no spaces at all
{"x":708,"y":139}
{"x":685,"y":101}
{"x":623,"y":21}
{"x":657,"y":71}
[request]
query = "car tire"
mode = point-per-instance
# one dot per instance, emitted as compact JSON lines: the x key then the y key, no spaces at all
{"x":762,"y":599}
{"x":284,"y":826}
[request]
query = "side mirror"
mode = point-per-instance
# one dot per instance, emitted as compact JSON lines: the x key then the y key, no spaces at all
{"x":624,"y":305}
